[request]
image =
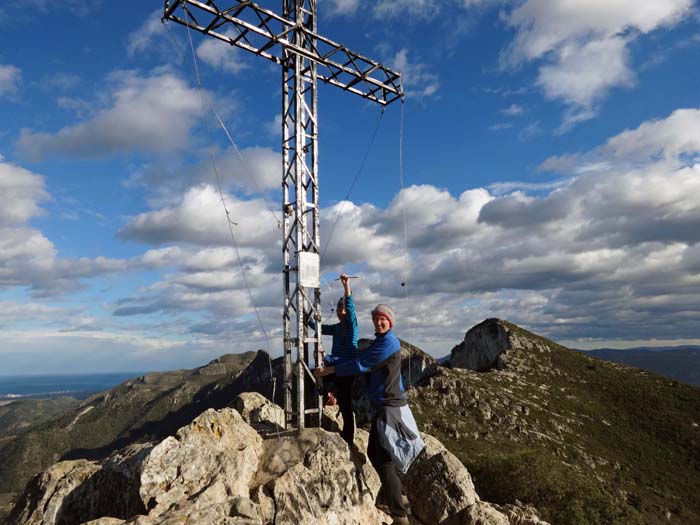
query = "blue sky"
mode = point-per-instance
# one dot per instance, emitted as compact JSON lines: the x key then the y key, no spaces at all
{"x":551,"y":172}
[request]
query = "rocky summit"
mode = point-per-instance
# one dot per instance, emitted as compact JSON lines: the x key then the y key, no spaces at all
{"x":519,"y":430}
{"x":234,"y":467}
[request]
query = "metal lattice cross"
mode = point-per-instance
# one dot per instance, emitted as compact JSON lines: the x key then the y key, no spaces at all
{"x":291,"y":40}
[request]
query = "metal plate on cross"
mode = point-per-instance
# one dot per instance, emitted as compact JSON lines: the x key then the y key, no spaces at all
{"x":309,"y":270}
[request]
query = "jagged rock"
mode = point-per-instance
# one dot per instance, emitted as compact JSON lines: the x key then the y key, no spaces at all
{"x":262,"y":496}
{"x":482,"y":347}
{"x":225,"y":364}
{"x":43,"y":499}
{"x":218,"y":470}
{"x":445,"y":479}
{"x":480,"y":513}
{"x":214,"y":514}
{"x":74,"y":491}
{"x":321,"y":485}
{"x":414,"y":363}
{"x":211,"y":460}
{"x":332,"y":418}
{"x":432,"y":446}
{"x":259,"y":412}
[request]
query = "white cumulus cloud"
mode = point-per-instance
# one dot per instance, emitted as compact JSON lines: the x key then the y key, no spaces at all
{"x":584,"y":44}
{"x":418,"y":81}
{"x":221,"y":55}
{"x":27,"y":257}
{"x":153,"y":113}
{"x":199,"y":219}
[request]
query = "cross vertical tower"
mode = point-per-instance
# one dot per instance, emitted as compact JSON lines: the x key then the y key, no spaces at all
{"x":300,"y":196}
{"x":292,"y":41}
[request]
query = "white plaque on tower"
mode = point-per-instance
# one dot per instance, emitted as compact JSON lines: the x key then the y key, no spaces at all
{"x":309,"y":270}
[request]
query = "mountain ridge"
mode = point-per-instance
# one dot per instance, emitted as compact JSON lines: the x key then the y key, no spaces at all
{"x":583,"y":440}
{"x":677,"y":362}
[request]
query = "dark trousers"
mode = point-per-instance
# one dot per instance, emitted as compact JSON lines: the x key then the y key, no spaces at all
{"x":391,"y":484}
{"x":343,"y":393}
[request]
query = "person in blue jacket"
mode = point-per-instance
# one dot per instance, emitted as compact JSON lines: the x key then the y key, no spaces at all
{"x":344,"y":347}
{"x":394,"y":440}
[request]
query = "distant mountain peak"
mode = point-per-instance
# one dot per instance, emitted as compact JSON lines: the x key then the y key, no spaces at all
{"x":494,"y":344}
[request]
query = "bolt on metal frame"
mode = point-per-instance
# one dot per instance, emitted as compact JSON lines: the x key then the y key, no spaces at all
{"x":292,"y":41}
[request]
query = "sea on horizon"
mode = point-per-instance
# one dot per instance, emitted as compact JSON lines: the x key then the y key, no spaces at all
{"x":47,"y":386}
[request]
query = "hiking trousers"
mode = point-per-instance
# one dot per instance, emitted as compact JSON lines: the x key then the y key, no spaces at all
{"x":343,"y":393}
{"x":382,"y":463}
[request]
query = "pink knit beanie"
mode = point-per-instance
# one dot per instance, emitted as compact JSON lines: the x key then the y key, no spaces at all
{"x":385,"y":311}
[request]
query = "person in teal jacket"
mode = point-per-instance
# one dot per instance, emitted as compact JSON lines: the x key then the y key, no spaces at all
{"x":344,"y":347}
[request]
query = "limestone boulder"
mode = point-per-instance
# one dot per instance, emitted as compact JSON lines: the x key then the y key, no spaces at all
{"x":210,"y":461}
{"x":259,"y":412}
{"x":480,"y":513}
{"x":219,"y":470}
{"x":358,"y":456}
{"x":312,"y":478}
{"x":332,"y":419}
{"x":77,"y":491}
{"x":438,"y":487}
{"x":43,"y":499}
{"x":432,"y":446}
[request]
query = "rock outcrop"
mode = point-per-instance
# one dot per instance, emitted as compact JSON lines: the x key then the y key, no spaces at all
{"x":490,"y":345}
{"x":440,"y":474}
{"x":227,"y":451}
{"x":482,"y":347}
{"x":146,"y":408}
{"x":257,"y":410}
{"x":77,"y":491}
{"x":219,"y":470}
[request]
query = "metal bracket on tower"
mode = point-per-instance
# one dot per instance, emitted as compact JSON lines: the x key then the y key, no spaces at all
{"x":292,"y":41}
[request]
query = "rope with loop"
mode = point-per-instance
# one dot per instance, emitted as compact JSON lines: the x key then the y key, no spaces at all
{"x":404,"y":283}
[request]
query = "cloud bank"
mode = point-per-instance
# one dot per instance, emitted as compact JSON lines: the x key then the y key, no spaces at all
{"x":609,"y":250}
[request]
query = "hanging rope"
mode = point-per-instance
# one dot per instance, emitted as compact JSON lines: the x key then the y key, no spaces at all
{"x":404,"y":283}
{"x":354,"y":181}
{"x":205,"y":97}
{"x":229,"y":222}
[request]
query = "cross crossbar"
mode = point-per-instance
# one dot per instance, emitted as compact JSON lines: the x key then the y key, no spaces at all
{"x":266,"y":34}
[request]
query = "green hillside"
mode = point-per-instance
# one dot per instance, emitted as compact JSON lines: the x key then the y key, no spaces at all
{"x":17,"y":416}
{"x":584,"y":440}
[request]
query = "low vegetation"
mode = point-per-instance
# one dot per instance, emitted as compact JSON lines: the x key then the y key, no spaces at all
{"x":18,"y":415}
{"x":585,"y":441}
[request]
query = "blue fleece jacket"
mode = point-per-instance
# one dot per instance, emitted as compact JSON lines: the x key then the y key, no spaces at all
{"x":382,"y":362}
